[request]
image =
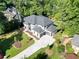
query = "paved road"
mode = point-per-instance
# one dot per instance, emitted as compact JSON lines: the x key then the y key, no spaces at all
{"x":43,"y":42}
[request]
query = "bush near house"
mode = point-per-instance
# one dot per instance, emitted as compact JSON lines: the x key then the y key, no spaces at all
{"x":58,"y":36}
{"x":61,"y":48}
{"x":69,"y":48}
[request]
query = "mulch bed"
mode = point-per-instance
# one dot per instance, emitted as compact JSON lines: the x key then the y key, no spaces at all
{"x":71,"y":56}
{"x":17,"y":44}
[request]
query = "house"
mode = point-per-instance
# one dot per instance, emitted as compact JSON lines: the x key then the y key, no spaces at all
{"x":75,"y":43}
{"x":11,"y":13}
{"x":39,"y":25}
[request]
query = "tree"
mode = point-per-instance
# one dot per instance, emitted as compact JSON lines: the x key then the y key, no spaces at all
{"x":64,"y":12}
{"x":41,"y":56}
{"x":61,"y":48}
{"x":3,"y":20}
{"x":2,"y":28}
{"x":66,"y":16}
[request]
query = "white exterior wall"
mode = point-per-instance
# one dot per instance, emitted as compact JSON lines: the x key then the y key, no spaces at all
{"x":52,"y":34}
{"x":26,"y":27}
{"x":46,"y":30}
{"x":36,"y":34}
{"x":32,"y":26}
{"x":76,"y":49}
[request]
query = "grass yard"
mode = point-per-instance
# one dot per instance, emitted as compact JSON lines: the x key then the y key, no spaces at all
{"x":10,"y":51}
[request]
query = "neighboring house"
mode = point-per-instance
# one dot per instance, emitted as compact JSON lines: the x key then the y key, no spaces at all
{"x":39,"y":25}
{"x":75,"y":43}
{"x":11,"y":13}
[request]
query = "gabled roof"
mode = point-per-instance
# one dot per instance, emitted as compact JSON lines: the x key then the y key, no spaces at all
{"x":38,"y":29}
{"x":43,"y":21}
{"x":75,"y":40}
{"x":39,"y":20}
{"x":10,"y":11}
{"x":52,"y":28}
{"x":30,"y":19}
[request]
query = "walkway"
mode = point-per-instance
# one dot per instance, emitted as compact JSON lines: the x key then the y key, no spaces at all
{"x":43,"y":42}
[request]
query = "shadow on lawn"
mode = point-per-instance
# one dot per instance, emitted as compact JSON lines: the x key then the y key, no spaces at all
{"x":41,"y":56}
{"x":6,"y":44}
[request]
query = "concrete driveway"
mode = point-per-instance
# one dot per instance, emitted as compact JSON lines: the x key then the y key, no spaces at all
{"x":43,"y":42}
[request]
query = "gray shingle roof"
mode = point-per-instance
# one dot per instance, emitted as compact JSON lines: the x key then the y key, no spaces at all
{"x":30,"y":19}
{"x":39,"y":20}
{"x":10,"y":11}
{"x":75,"y":40}
{"x":52,"y":28}
{"x":38,"y":29}
{"x":44,"y":21}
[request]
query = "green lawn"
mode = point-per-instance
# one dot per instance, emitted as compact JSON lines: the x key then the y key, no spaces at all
{"x":6,"y":44}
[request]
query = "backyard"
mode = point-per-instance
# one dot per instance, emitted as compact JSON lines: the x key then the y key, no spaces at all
{"x":6,"y":44}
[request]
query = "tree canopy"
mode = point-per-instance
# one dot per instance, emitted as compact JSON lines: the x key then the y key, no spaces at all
{"x":64,"y":12}
{"x":2,"y":23}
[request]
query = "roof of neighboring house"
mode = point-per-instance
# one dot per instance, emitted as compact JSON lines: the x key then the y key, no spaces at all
{"x":75,"y":40}
{"x":40,"y":20}
{"x":71,"y":56}
{"x":10,"y":11}
{"x":38,"y":29}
